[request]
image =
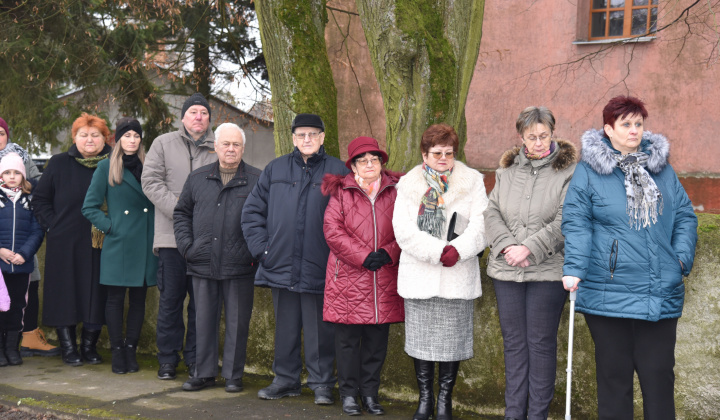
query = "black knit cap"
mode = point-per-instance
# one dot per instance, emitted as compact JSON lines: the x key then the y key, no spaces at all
{"x":126,"y":124}
{"x":308,"y":120}
{"x":195,"y":99}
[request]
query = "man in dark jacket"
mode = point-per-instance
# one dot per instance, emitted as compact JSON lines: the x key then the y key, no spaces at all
{"x":283,"y":225}
{"x":209,"y":236}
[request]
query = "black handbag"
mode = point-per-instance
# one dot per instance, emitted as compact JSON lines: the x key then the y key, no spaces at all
{"x":451,"y":231}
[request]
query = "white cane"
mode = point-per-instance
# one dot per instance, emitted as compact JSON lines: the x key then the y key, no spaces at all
{"x":570,"y":353}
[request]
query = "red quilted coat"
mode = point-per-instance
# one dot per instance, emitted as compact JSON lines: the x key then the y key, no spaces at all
{"x":354,"y":227}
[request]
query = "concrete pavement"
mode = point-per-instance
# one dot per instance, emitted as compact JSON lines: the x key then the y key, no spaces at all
{"x":44,"y":384}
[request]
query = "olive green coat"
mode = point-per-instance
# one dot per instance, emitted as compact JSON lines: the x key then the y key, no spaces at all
{"x":127,"y":255}
{"x":525,"y":208}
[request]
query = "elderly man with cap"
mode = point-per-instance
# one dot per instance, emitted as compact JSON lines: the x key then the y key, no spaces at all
{"x":208,"y":233}
{"x":170,"y":160}
{"x":283,"y":225}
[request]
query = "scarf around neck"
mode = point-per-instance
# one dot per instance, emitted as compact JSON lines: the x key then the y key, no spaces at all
{"x":132,"y":163}
{"x":91,"y":162}
{"x":532,"y":156}
{"x":644,"y":199}
{"x":431,"y":215}
{"x":370,"y":189}
{"x":13,"y":193}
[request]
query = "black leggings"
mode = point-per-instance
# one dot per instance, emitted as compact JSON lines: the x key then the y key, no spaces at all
{"x":17,"y":287}
{"x":114,"y":309}
{"x":30,"y":320}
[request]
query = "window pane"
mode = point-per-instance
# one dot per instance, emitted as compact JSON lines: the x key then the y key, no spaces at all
{"x":653,"y":19}
{"x":616,"y":23}
{"x":599,"y":4}
{"x":654,"y":1}
{"x":598,"y":25}
{"x":617,"y":3}
{"x":640,"y":2}
{"x":639,"y":21}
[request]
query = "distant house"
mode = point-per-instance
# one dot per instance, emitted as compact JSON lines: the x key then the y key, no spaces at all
{"x":260,"y":142}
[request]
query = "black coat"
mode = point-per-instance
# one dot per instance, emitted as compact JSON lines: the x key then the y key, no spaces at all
{"x":207,"y":222}
{"x":72,"y":266}
{"x":283,"y":222}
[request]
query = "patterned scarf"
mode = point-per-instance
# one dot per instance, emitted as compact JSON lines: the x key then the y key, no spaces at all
{"x":644,"y":200}
{"x":370,"y":189}
{"x":13,"y":193}
{"x":431,"y":216}
{"x":532,"y":156}
{"x":92,"y":162}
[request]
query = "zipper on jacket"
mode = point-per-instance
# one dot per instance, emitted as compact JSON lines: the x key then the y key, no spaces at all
{"x":613,"y":258}
{"x":337,"y":268}
{"x":12,"y":266}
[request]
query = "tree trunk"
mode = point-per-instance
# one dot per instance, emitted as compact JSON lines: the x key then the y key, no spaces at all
{"x":293,"y":39}
{"x":424,"y":52}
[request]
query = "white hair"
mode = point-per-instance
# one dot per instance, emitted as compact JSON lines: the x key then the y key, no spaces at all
{"x":224,"y":126}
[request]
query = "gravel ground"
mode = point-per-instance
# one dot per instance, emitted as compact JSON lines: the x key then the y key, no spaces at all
{"x":22,"y":413}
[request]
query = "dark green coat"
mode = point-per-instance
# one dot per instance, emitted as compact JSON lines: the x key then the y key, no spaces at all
{"x":127,"y":255}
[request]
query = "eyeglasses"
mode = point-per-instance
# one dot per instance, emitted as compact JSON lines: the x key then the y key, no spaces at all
{"x":439,"y":155}
{"x":363,"y":162}
{"x":310,"y":136}
{"x":533,"y":139}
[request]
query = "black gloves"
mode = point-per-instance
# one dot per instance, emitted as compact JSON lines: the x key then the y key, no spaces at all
{"x":377,"y":259}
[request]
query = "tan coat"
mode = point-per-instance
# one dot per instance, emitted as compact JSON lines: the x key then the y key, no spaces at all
{"x":525,"y":208}
{"x":170,"y":160}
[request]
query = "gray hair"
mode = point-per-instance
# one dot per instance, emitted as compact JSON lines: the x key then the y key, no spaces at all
{"x":534,"y":115}
{"x":225,"y":126}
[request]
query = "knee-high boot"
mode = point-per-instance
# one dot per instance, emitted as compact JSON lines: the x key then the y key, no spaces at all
{"x":3,"y":359}
{"x":12,"y":347}
{"x":68,"y":346}
{"x":425,"y":375}
{"x":447,"y":374}
{"x":88,"y":346}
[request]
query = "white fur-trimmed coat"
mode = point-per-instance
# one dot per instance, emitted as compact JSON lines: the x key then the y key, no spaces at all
{"x":421,"y":275}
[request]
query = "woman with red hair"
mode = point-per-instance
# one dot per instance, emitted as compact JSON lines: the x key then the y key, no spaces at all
{"x":72,"y":258}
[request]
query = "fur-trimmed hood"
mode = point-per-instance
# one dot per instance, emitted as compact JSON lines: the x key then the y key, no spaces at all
{"x":597,"y":151}
{"x":566,"y":156}
{"x":332,"y":182}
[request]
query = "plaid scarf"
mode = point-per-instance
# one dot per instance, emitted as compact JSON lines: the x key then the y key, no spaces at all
{"x":644,"y":200}
{"x":431,"y":215}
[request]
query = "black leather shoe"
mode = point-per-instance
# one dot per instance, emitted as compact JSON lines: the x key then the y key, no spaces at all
{"x":166,"y":371}
{"x":191,"y":369}
{"x":196,"y":384}
{"x":12,"y":347}
{"x":372,"y":406}
{"x":233,"y":385}
{"x":131,"y":357}
{"x":68,"y":346}
{"x":324,"y":396}
{"x":3,"y":359}
{"x":118,"y":363}
{"x":350,"y":406}
{"x":275,"y":391}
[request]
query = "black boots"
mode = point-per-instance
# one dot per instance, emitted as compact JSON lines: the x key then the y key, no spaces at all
{"x":425,"y":374}
{"x":119,"y":362}
{"x":88,"y":346}
{"x":68,"y":346}
{"x":131,"y":356}
{"x":12,"y":347}
{"x":447,"y":375}
{"x":3,"y":359}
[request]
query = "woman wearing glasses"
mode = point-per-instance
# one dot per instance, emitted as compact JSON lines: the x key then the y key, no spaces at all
{"x":522,"y":224}
{"x":361,"y":283}
{"x":439,"y":278}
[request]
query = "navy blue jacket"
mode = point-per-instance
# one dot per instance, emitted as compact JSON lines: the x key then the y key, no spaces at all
{"x":18,"y":218}
{"x":282,"y":221}
{"x":627,"y":272}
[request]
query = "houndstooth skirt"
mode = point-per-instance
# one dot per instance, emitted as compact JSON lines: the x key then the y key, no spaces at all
{"x":439,"y":330}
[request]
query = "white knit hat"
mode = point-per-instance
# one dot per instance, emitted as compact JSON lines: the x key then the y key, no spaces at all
{"x":12,"y":161}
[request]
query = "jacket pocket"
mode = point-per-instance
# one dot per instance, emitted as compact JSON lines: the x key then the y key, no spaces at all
{"x":337,"y":268}
{"x":612,"y":263}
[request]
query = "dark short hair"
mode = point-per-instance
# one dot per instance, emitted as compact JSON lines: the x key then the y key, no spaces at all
{"x":439,"y":135}
{"x":354,"y":160}
{"x":620,"y":107}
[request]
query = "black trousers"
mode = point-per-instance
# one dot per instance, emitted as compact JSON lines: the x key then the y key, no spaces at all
{"x":30,"y":319}
{"x":174,"y":285}
{"x":17,"y":287}
{"x":360,"y":352}
{"x":299,"y":319}
{"x":623,"y":346}
{"x":115,"y":309}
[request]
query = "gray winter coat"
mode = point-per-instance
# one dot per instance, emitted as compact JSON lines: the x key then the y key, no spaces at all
{"x":170,"y":160}
{"x":526,"y":209}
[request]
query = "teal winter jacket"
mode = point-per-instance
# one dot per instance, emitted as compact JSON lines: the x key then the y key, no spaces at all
{"x":627,"y":272}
